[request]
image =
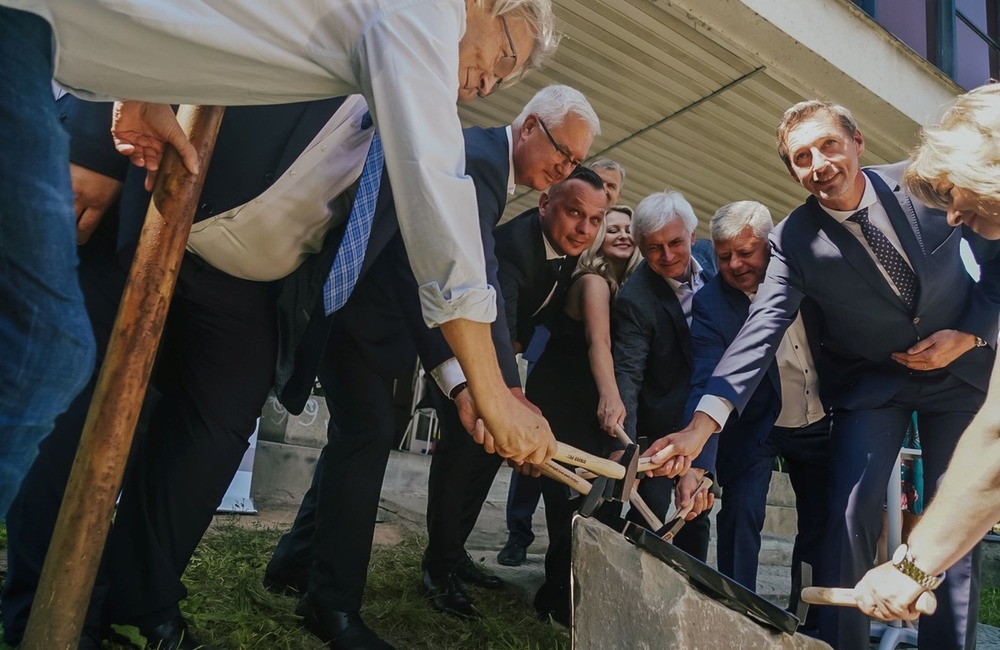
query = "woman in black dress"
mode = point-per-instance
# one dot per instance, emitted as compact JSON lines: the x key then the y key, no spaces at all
{"x":573,"y":384}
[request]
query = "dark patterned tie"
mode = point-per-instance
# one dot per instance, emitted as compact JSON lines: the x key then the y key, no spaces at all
{"x":902,"y":275}
{"x":347,"y":264}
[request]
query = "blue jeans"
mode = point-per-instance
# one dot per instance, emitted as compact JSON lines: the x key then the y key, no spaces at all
{"x":46,"y":344}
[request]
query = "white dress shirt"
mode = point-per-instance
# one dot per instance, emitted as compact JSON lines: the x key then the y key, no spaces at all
{"x":685,"y":290}
{"x":448,"y":374}
{"x":800,"y":403}
{"x":402,"y":55}
{"x":269,"y":237}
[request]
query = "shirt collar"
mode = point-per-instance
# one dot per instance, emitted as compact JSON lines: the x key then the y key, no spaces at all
{"x":695,"y":274}
{"x":511,"y":185}
{"x":868,"y":199}
{"x":550,"y":252}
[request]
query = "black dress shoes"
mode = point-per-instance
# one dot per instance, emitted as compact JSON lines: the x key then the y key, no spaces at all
{"x":284,"y":585}
{"x":472,"y":574}
{"x":448,"y":595}
{"x":512,"y":554}
{"x":171,"y":635}
{"x":341,"y":630}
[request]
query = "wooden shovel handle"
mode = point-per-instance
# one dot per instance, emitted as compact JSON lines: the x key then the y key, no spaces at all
{"x":843,"y":597}
{"x":603,"y":466}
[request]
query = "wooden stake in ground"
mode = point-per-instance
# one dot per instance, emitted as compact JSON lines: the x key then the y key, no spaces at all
{"x":85,"y":515}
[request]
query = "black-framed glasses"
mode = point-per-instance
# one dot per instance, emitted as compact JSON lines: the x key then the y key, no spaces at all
{"x":505,"y":66}
{"x":560,"y":149}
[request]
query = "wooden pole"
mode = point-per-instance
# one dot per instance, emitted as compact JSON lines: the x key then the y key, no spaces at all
{"x":85,"y":515}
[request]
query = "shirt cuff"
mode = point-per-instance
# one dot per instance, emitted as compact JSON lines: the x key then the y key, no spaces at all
{"x":717,"y":408}
{"x":448,"y":375}
{"x":475,"y":304}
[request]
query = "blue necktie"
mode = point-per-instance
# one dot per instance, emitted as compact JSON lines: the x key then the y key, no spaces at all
{"x":902,"y":275}
{"x":347,"y":263}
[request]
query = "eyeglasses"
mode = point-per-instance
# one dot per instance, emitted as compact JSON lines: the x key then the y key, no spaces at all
{"x":505,"y":66}
{"x":560,"y":149}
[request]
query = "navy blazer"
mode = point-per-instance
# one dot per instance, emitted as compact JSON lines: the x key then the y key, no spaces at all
{"x":384,"y":308}
{"x":862,"y":320}
{"x":653,"y":358}
{"x":718,"y":313}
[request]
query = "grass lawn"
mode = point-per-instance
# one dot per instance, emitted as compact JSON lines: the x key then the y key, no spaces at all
{"x":228,"y":607}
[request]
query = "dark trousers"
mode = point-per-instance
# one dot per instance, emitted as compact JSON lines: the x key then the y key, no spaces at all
{"x":745,"y":476}
{"x":32,"y":514}
{"x":460,"y":479}
{"x":349,"y":479}
{"x":522,"y":501}
{"x":215,"y":367}
{"x":864,"y":447}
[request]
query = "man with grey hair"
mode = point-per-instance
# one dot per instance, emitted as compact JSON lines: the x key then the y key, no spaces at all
{"x":784,"y":416}
{"x":613,"y":175}
{"x":652,"y":348}
{"x":329,"y":545}
{"x":410,"y":59}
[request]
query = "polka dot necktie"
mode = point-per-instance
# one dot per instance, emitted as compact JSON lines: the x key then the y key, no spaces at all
{"x":899,"y":271}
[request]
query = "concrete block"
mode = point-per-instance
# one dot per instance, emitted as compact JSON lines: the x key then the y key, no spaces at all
{"x":780,"y":492}
{"x":780,"y":521}
{"x":282,"y":473}
{"x":273,"y":419}
{"x":307,"y":429}
{"x":625,"y":597}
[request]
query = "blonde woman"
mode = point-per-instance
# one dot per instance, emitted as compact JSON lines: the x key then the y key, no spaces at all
{"x":573,"y":384}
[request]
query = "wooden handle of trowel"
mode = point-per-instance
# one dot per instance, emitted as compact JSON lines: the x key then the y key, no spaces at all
{"x":557,"y":472}
{"x":603,"y":466}
{"x":841,"y":597}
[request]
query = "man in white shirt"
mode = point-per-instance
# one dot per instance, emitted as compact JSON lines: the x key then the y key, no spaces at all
{"x":784,"y":416}
{"x":903,"y":328}
{"x":416,"y":58}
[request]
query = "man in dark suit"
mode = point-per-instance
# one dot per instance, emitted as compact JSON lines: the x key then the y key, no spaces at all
{"x":211,"y":386}
{"x":784,"y":416}
{"x":904,"y":328}
{"x":344,"y":497}
{"x":652,"y":346}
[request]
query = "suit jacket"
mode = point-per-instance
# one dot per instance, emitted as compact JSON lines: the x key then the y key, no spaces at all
{"x":718,"y":313}
{"x":383,"y":313}
{"x":526,"y":277}
{"x":653,"y":359}
{"x":863,"y":320}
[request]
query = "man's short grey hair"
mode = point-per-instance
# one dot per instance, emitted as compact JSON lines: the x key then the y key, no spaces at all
{"x":607,"y":163}
{"x":538,"y":14}
{"x":553,"y":103}
{"x":657,"y":210}
{"x":729,"y":221}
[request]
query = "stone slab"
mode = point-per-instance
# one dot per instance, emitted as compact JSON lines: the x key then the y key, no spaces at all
{"x":625,"y":597}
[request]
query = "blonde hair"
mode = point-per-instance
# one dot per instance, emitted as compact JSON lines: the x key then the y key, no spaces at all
{"x":593,"y":260}
{"x":963,"y":150}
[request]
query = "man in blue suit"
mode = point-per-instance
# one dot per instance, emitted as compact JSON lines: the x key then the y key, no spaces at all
{"x":903,"y":329}
{"x":784,"y":416}
{"x":328,"y":548}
